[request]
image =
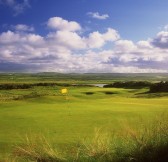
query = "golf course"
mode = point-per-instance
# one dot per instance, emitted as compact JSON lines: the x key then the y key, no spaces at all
{"x":77,"y":116}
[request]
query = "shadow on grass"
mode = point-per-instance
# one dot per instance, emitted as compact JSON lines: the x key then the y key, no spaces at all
{"x":109,"y":93}
{"x":148,"y":94}
{"x":89,"y":93}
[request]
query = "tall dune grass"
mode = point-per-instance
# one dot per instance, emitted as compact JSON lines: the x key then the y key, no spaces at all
{"x":37,"y":148}
{"x":149,"y":142}
{"x":146,"y":143}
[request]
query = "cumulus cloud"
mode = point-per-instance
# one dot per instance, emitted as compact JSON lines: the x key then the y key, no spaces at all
{"x":96,"y":15}
{"x":12,"y":38}
{"x":60,"y":24}
{"x":161,"y":40}
{"x":98,"y":40}
{"x":17,"y":7}
{"x":65,"y":49}
{"x":125,"y":46}
{"x":66,"y":34}
{"x":67,"y":39}
{"x":111,"y":35}
{"x":144,"y":44}
{"x":95,"y":40}
{"x":23,"y":27}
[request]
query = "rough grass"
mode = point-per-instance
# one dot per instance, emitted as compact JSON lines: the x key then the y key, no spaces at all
{"x":148,"y":143}
{"x":99,"y":147}
{"x":37,"y":148}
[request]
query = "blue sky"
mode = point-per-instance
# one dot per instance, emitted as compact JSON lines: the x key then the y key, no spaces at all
{"x":84,"y":36}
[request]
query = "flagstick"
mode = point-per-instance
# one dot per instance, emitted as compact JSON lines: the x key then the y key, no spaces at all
{"x":64,"y":91}
{"x":67,"y":98}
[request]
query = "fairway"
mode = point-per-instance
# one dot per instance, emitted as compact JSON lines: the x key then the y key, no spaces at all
{"x":69,"y":119}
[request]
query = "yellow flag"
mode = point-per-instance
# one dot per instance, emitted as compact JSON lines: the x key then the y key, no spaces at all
{"x":64,"y":91}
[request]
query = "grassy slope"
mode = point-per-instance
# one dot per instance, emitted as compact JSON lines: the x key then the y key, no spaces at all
{"x":67,"y":121}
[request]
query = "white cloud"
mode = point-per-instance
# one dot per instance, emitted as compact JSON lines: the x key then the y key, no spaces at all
{"x":67,"y":50}
{"x":9,"y":37}
{"x":125,"y":46}
{"x":96,"y":15}
{"x":111,"y":35}
{"x":23,"y":27}
{"x":68,"y":39}
{"x":12,"y":38}
{"x":67,"y":35}
{"x":98,"y":40}
{"x":161,"y":40}
{"x":95,"y":40}
{"x":60,"y":24}
{"x":144,"y":44}
{"x":125,"y":58}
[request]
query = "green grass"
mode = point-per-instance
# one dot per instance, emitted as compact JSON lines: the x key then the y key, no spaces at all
{"x":148,"y":142}
{"x":69,"y":121}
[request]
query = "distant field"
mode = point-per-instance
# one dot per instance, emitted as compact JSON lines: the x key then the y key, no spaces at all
{"x":79,"y":78}
{"x":43,"y":110}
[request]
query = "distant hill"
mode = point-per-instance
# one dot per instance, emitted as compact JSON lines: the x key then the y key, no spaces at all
{"x":82,"y":77}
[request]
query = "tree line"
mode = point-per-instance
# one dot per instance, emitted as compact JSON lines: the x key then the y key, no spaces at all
{"x":9,"y":86}
{"x":159,"y":87}
{"x":153,"y":87}
{"x":129,"y":84}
